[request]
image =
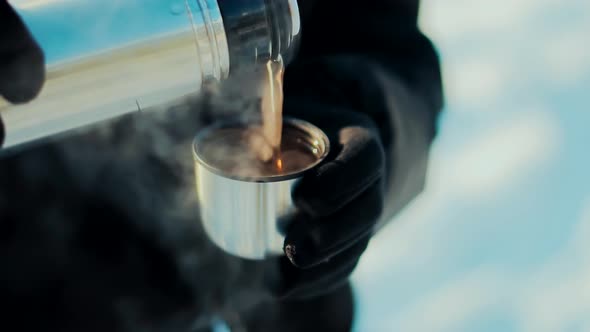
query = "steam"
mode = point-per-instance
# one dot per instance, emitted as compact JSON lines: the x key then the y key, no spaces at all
{"x":113,"y":207}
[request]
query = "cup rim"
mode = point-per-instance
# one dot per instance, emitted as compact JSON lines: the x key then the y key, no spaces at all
{"x":311,"y":130}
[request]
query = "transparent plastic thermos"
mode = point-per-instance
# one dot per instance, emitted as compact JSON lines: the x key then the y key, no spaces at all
{"x":105,"y":58}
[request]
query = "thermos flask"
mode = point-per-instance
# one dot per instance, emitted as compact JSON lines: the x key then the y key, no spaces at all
{"x":105,"y":58}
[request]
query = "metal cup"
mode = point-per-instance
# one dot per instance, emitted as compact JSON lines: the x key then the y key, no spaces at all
{"x":246,"y":215}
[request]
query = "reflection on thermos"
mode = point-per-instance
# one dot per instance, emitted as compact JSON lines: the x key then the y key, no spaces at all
{"x":109,"y":57}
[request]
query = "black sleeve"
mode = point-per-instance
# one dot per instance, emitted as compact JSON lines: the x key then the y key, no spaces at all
{"x":372,"y":57}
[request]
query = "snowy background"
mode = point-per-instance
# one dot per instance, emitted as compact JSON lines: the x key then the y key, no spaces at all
{"x":500,"y":240}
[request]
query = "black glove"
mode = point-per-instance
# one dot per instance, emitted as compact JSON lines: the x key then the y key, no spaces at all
{"x":22,"y":70}
{"x":340,"y":201}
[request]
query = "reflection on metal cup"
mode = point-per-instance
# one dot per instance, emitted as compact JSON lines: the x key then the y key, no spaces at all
{"x":245,"y":202}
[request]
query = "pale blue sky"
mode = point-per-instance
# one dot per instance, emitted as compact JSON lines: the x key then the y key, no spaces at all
{"x":500,"y":240}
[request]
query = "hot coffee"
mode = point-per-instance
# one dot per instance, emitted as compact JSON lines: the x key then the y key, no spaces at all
{"x":229,"y":150}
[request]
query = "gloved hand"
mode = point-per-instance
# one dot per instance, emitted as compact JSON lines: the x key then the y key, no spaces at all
{"x":340,"y":201}
{"x":22,"y":70}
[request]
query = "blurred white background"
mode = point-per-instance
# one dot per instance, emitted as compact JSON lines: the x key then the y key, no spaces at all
{"x":500,"y":240}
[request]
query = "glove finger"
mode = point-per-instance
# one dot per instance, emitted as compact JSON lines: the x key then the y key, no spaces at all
{"x":2,"y":134}
{"x":358,"y":164}
{"x":21,"y":59}
{"x":323,"y":278}
{"x":311,"y":241}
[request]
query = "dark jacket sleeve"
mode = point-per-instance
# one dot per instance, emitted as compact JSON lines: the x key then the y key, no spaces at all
{"x":372,"y":55}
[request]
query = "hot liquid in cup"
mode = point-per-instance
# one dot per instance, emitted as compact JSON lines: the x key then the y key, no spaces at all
{"x":229,"y":151}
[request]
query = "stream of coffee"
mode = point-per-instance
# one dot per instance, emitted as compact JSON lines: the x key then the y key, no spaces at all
{"x":272,"y":109}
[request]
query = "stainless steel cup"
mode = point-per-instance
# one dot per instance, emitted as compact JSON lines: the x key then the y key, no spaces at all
{"x":245,"y":215}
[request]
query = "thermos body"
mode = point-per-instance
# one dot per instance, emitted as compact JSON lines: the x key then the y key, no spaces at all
{"x":105,"y":58}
